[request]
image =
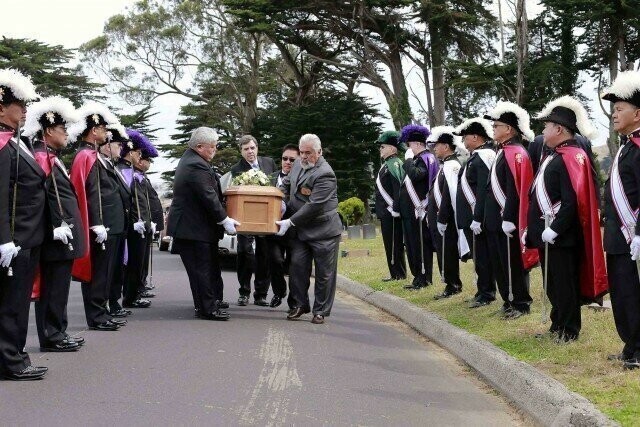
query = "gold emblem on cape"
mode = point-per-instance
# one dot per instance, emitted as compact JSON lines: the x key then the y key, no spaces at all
{"x":96,"y":118}
{"x":51,"y":116}
{"x":1,"y":93}
{"x":580,"y":159}
{"x":518,"y":158}
{"x":305,"y":191}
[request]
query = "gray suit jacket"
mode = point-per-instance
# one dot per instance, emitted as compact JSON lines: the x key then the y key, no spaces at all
{"x":312,"y":201}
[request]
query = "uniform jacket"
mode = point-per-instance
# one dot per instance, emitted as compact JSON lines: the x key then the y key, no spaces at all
{"x":476,"y":171}
{"x":137,"y":192}
{"x":155,"y":205}
{"x":392,"y":186}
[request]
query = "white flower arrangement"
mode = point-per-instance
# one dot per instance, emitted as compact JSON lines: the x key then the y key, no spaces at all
{"x":251,"y":177}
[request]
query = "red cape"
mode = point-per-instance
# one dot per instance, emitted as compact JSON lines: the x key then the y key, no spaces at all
{"x":4,"y":138}
{"x":520,"y":165}
{"x":82,"y":164}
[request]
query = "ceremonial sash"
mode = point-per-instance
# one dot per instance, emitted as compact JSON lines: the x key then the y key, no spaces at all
{"x":544,"y":201}
{"x":626,"y":213}
{"x":497,"y":191}
{"x":467,"y":192}
{"x":387,"y":198}
{"x":436,"y":188}
{"x":419,"y":206}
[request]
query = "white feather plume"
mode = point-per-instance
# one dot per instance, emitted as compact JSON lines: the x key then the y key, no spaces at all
{"x":20,"y":85}
{"x":438,"y":131}
{"x":522,"y":116}
{"x":53,"y":104}
{"x":625,"y":85}
{"x":120,"y":129}
{"x":486,"y":125}
{"x":90,"y":108}
{"x":585,"y":128}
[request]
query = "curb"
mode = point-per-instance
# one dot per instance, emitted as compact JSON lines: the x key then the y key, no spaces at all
{"x":542,"y":398}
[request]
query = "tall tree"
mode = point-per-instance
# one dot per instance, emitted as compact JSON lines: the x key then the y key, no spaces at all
{"x":140,"y":121}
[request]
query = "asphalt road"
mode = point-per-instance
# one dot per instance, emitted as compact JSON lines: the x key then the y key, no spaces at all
{"x":165,"y":367}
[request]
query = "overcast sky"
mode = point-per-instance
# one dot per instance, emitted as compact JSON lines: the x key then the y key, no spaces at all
{"x":73,"y":22}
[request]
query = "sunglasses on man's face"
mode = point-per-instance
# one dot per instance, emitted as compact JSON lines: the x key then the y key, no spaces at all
{"x":290,"y":159}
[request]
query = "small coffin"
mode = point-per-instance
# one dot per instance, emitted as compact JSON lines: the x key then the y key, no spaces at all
{"x":256,"y":208}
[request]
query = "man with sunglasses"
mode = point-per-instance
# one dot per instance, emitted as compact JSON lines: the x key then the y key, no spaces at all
{"x":279,"y":249}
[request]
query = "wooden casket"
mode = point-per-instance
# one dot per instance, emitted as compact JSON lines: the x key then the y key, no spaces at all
{"x":256,"y":208}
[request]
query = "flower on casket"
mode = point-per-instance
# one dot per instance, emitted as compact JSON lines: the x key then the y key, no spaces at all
{"x":251,"y":177}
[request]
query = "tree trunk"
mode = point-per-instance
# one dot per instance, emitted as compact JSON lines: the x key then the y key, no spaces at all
{"x":501,"y":30}
{"x":522,"y":44}
{"x":399,"y":105}
{"x":437,"y":62}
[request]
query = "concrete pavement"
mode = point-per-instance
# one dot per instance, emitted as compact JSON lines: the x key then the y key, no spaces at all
{"x":166,"y":368}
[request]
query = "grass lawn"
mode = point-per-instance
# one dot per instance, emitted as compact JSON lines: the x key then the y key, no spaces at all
{"x":582,"y":366}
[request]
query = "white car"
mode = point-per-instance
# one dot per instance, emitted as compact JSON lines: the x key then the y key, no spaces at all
{"x":228,"y":245}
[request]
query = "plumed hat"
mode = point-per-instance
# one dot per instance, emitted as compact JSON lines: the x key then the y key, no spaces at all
{"x":91,"y":114}
{"x":142,"y":143}
{"x":416,"y":133}
{"x":446,"y":135}
{"x":626,"y":87}
{"x":49,"y":112}
{"x":16,"y":87}
{"x":390,"y":137}
{"x":117,"y":133}
{"x":570,"y":113}
{"x":513,"y":115}
{"x":475,"y":126}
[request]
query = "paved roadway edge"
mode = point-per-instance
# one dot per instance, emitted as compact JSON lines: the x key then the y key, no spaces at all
{"x":539,"y":396}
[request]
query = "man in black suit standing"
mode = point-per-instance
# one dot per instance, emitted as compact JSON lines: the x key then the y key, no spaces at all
{"x":197,"y":220}
{"x":252,"y":261}
{"x":21,"y":228}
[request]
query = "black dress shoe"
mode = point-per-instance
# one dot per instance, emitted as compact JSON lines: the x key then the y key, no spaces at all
{"x":297,"y":312}
{"x":119,"y":313}
{"x":78,"y":340}
{"x":139,"y":303}
{"x":242,"y":301}
{"x":621,"y":357}
{"x":216,"y":315}
{"x":448,"y":293}
{"x":61,"y":347}
{"x":275,"y":301}
{"x":630,"y":364}
{"x":222,"y":304}
{"x":106,"y":326}
{"x":119,"y":322}
{"x":30,"y":373}
{"x":149,"y":287}
{"x":261,"y":301}
{"x":479,"y":303}
{"x":389,"y":279}
{"x":147,"y":294}
{"x":317,"y":319}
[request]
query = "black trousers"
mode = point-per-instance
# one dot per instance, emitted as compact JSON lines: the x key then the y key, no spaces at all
{"x":253,"y":262}
{"x":95,"y":294}
{"x":324,"y":255}
{"x":15,"y":301}
{"x":202,"y":264}
{"x":277,"y":250}
{"x":51,"y":308}
{"x":136,"y":247}
{"x":486,"y":282}
{"x":451,"y":258}
{"x":624,"y":287}
{"x":497,"y":242}
{"x":145,"y":262}
{"x":411,"y":230}
{"x":117,"y":283}
{"x":391,"y":229}
{"x":563,"y":289}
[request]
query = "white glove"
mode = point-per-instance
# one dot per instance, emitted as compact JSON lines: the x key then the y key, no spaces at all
{"x":153,"y":228}
{"x":284,"y":225}
{"x":101,"y":233}
{"x":229,"y":225}
{"x":523,"y":240}
{"x":635,"y":248}
{"x":508,"y":228}
{"x":395,"y":214}
{"x":8,"y":251}
{"x":139,"y":227}
{"x":62,"y":234}
{"x":549,"y":236}
{"x":283,"y":208}
{"x":441,"y":228}
{"x":475,"y":227}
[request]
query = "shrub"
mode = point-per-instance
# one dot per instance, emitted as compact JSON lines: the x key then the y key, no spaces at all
{"x":352,"y":210}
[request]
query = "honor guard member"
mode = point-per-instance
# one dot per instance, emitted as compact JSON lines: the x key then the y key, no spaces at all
{"x":116,"y":139}
{"x":279,"y":246}
{"x":477,"y":134}
{"x":22,"y":226}
{"x":102,"y":212}
{"x":196,"y":222}
{"x":420,"y":172}
{"x":311,"y":194}
{"x":563,"y":220}
{"x":64,"y":241}
{"x":157,"y":216}
{"x":388,"y":183}
{"x":139,"y":221}
{"x":252,"y":261}
{"x":621,"y":207}
{"x":506,"y":208}
{"x":441,"y":211}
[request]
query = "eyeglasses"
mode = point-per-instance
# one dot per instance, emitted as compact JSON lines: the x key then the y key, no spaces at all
{"x":495,"y":125}
{"x":288,"y":159}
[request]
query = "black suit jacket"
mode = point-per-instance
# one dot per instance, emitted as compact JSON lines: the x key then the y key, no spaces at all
{"x":266,"y":164}
{"x":477,"y":173}
{"x":197,"y":204}
{"x":54,"y":250}
{"x":30,"y":202}
{"x":629,"y":169}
